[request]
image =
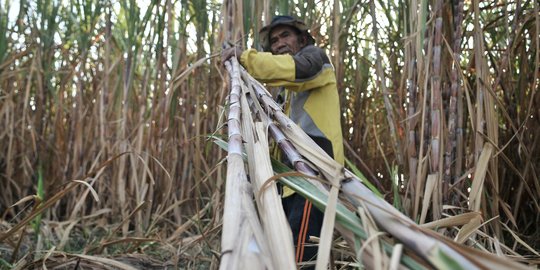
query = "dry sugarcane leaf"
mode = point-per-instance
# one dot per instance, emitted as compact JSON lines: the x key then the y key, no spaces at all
{"x":396,"y":256}
{"x":257,"y":245}
{"x":106,"y":262}
{"x":471,"y":227}
{"x":431,"y":182}
{"x":275,"y":224}
{"x":327,"y":230}
{"x":372,"y":242}
{"x":497,"y":246}
{"x":92,"y":190}
{"x":178,"y":79}
{"x":82,"y":200}
{"x":475,"y":197}
{"x":25,"y":199}
{"x":331,"y":169}
{"x":521,"y":241}
{"x":47,"y":256}
{"x":458,"y":220}
{"x":65,"y":234}
{"x":507,"y":211}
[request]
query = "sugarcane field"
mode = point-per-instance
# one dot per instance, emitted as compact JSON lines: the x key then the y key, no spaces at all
{"x":269,"y":134}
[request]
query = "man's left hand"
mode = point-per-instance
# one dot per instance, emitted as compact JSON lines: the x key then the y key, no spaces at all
{"x":226,"y":54}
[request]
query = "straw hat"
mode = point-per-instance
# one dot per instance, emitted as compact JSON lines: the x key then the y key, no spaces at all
{"x":264,"y":33}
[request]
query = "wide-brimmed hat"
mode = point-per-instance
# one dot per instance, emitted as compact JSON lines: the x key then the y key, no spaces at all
{"x":264,"y":33}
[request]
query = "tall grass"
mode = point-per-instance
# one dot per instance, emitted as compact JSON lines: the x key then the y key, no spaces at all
{"x":84,"y":82}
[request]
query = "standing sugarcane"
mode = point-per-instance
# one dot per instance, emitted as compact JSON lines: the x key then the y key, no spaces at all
{"x":382,"y":84}
{"x":436,"y":115}
{"x":455,"y":106}
{"x":486,"y":131}
{"x":411,"y":117}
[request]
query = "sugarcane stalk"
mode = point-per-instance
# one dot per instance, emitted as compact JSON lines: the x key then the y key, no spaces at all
{"x":382,"y":84}
{"x":450,"y":175}
{"x":412,"y":120}
{"x":241,"y":228}
{"x":435,"y":111}
{"x":289,"y":151}
{"x":423,"y":73}
{"x":479,"y":66}
{"x":486,"y":119}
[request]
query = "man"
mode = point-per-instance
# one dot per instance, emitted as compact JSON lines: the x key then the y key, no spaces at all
{"x":311,"y":101}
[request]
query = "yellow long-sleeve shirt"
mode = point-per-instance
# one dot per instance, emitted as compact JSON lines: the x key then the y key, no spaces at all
{"x":309,"y":78}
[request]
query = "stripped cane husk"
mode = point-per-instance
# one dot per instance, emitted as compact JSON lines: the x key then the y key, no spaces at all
{"x":276,"y":228}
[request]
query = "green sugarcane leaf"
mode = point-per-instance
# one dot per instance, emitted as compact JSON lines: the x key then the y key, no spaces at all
{"x":442,"y":261}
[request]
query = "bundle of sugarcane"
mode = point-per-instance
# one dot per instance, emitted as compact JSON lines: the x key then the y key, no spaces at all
{"x":371,"y":247}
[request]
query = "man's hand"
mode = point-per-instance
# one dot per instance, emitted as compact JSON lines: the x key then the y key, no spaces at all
{"x":226,"y":54}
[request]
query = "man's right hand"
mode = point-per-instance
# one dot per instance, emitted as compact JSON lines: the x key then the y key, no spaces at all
{"x":226,"y":54}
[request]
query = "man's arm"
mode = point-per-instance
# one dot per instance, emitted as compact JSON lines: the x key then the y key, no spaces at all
{"x":308,"y":69}
{"x":309,"y":62}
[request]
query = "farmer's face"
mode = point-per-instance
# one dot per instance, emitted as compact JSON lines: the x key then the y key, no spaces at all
{"x":285,"y":40}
